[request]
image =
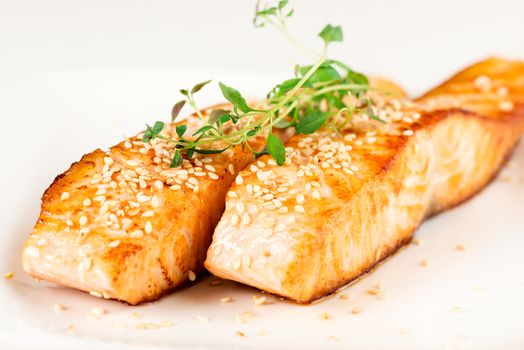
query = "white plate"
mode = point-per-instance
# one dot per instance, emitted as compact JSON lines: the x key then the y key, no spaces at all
{"x":462,"y":299}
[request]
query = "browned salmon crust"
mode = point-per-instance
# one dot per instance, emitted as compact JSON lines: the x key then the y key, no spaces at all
{"x":122,"y":224}
{"x":344,"y":203}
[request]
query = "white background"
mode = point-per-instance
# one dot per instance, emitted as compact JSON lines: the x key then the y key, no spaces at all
{"x":75,"y":75}
{"x":405,"y":39}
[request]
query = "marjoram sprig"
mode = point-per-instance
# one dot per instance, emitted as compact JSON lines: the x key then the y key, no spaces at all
{"x":325,"y":94}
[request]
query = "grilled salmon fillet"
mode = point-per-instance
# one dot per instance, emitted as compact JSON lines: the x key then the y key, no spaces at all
{"x":341,"y":203}
{"x":122,"y":224}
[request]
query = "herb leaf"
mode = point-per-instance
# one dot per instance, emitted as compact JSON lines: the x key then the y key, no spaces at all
{"x":152,"y":132}
{"x":216,"y":114}
{"x":177,"y":159}
{"x":180,"y":130}
{"x":235,"y":98}
{"x":311,"y":122}
{"x":275,"y":147}
{"x":325,"y":91}
{"x":199,"y":86}
{"x":176,"y":109}
{"x":331,"y":34}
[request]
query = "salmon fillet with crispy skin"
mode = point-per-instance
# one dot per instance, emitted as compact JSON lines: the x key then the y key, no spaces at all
{"x":121,"y":224}
{"x":342,"y":203}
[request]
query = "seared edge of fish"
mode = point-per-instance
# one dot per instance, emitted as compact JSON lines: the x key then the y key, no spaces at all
{"x":343,"y":202}
{"x":122,"y":224}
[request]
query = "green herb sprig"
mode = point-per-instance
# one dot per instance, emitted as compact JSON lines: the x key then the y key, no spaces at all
{"x":327,"y":93}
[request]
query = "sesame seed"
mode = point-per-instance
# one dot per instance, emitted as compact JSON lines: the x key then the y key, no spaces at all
{"x":118,"y":325}
{"x":231,"y":169}
{"x":457,"y":309}
{"x":280,"y":227}
{"x":259,"y":300}
{"x":9,"y":275}
{"x":148,"y":214}
{"x":423,"y":263}
{"x":142,"y":198}
{"x":373,"y":291}
{"x":417,"y":241}
{"x":191,"y":275}
{"x":202,"y":318}
{"x":324,"y":316}
{"x":246,"y":219}
{"x":240,"y":334}
{"x":97,"y":311}
{"x":282,"y":210}
{"x":240,"y":207}
{"x":127,"y":144}
{"x":482,"y":83}
{"x":346,"y":296}
{"x":408,"y":132}
{"x":58,"y":308}
{"x":502,"y":91}
{"x":232,"y":194}
{"x":84,"y":231}
{"x":114,"y":244}
{"x":269,"y":222}
{"x":300,"y":198}
{"x":316,"y":194}
{"x":137,"y":234}
{"x":215,"y":283}
{"x":69,"y":222}
{"x":460,"y":247}
{"x":96,"y":294}
{"x":100,"y":199}
{"x":65,"y":196}
{"x":226,"y":300}
{"x":506,"y":106}
{"x":149,"y":227}
{"x":234,"y":219}
{"x":213,"y":176}
{"x":155,"y":202}
{"x":236,"y":265}
{"x":299,"y":209}
{"x":86,"y":202}
{"x":132,"y":163}
{"x":356,"y":310}
{"x":175,"y":187}
{"x":267,"y":197}
{"x":83,"y":220}
{"x":239,"y":180}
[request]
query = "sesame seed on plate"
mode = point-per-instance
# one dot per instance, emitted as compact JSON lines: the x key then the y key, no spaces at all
{"x":191,"y":275}
{"x":97,"y":311}
{"x":259,"y":300}
{"x":58,"y":308}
